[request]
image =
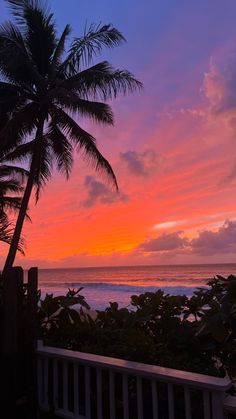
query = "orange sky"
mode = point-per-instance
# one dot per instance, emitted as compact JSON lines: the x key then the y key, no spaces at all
{"x":173,"y":149}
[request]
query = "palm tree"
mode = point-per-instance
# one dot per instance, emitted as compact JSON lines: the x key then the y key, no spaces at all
{"x":43,"y":91}
{"x":6,"y":234}
{"x":11,"y":179}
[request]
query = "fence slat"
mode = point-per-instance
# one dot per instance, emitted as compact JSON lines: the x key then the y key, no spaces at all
{"x":154,"y":400}
{"x":45,"y":383}
{"x":171,"y":401}
{"x":111,"y":395}
{"x":217,"y":405}
{"x":76,"y":390}
{"x":187,"y":402}
{"x":31,"y":322}
{"x":140,"y":397}
{"x":99,"y":393}
{"x":32,"y":302}
{"x":55,"y":384}
{"x":40,"y":380}
{"x":206,"y":405}
{"x":9,"y":340}
{"x":65,"y":385}
{"x":87,"y":393}
{"x":125,"y":396}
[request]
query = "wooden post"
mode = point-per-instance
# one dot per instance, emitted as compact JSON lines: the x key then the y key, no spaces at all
{"x":18,"y":343}
{"x":12,"y":282}
{"x":32,"y":302}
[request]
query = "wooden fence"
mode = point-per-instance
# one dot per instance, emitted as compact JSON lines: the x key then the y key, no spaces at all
{"x":77,"y":385}
{"x":18,"y":309}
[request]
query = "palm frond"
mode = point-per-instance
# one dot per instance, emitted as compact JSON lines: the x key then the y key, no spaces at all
{"x":10,"y":185}
{"x":20,"y":153}
{"x":35,"y":20}
{"x":15,"y":62}
{"x":84,"y":142}
{"x":8,"y":104}
{"x":43,"y":166}
{"x":6,"y":234}
{"x":19,"y":173}
{"x":102,"y":81}
{"x":12,"y":98}
{"x":18,"y":127}
{"x":83,"y":49}
{"x":62,"y":150}
{"x":21,"y":92}
{"x":16,"y":7}
{"x":60,"y":48}
{"x":11,"y":203}
{"x":98,"y":111}
{"x":40,"y":35}
{"x":19,"y":7}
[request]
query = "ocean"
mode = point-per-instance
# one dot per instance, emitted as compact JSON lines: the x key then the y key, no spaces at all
{"x":102,"y":285}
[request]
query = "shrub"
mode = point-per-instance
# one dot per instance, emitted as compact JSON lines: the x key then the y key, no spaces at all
{"x":196,"y":334}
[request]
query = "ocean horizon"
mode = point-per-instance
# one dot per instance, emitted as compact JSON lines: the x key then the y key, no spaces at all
{"x":117,"y":283}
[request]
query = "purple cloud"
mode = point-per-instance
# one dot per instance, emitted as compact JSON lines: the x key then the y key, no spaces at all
{"x":219,"y":88}
{"x":165,"y":242}
{"x":98,"y":192}
{"x":207,"y":243}
{"x":230,"y":177}
{"x":221,"y":241}
{"x":142,"y":164}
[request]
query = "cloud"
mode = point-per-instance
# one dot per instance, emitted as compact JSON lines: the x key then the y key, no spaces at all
{"x":168,"y":224}
{"x":171,"y":224}
{"x":214,"y":85}
{"x":165,"y":242}
{"x":207,"y":243}
{"x":219,"y":88}
{"x":142,"y":164}
{"x":100,"y":193}
{"x":221,"y":241}
{"x":230,"y":177}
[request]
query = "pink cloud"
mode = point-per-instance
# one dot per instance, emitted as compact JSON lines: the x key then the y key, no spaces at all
{"x":207,"y":243}
{"x":165,"y":242}
{"x":144,"y":163}
{"x":216,"y":242}
{"x":98,"y":192}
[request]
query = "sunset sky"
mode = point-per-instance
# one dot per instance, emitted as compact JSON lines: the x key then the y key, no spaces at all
{"x":173,"y":146}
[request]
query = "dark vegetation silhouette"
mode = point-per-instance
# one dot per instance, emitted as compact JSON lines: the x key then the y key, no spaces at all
{"x":194,"y":334}
{"x":47,"y":83}
{"x":12,"y":179}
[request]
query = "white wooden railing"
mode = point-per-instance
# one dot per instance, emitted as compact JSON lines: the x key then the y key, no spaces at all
{"x":84,"y":386}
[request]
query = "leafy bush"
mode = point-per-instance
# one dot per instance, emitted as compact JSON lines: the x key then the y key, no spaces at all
{"x":196,"y":334}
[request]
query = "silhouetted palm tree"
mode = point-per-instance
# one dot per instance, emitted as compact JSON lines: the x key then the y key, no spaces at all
{"x":11,"y":182}
{"x":43,"y":90}
{"x":6,"y":234}
{"x":11,"y":185}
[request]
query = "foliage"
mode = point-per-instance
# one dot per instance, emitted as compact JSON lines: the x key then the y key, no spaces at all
{"x":12,"y":179}
{"x":196,"y":334}
{"x":6,"y":234}
{"x":11,"y":182}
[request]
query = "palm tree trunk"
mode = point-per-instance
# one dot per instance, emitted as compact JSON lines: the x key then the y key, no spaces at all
{"x":25,"y":202}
